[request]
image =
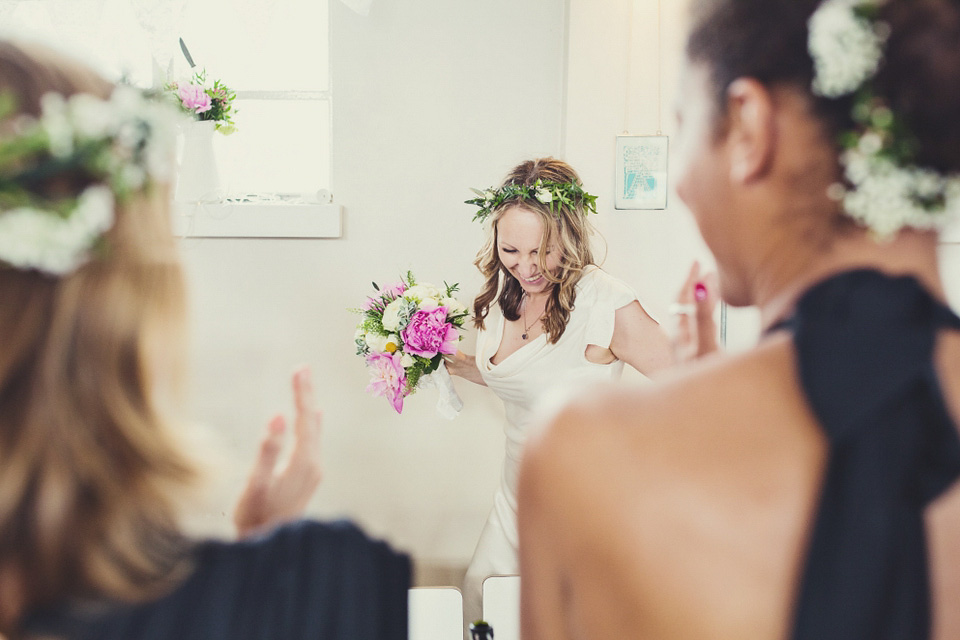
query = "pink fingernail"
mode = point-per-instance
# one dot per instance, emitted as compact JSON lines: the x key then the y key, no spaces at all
{"x":700,"y":291}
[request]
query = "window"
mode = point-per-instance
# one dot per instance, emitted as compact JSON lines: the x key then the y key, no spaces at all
{"x":275,"y":55}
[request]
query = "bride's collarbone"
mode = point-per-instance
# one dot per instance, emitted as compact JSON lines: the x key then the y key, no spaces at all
{"x":513,"y":338}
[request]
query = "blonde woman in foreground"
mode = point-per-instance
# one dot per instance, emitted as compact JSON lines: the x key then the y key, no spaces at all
{"x":91,"y":300}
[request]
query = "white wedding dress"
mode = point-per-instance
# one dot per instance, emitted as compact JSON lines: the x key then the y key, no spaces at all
{"x":524,"y":380}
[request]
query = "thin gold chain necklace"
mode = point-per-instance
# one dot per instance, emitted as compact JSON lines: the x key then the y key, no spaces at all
{"x":523,"y":312}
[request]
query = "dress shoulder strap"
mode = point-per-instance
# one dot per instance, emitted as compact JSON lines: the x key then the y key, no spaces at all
{"x":864,"y":343}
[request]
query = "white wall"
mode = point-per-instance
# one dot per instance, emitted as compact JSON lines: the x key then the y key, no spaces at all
{"x":623,"y":75}
{"x":651,"y":250}
{"x":430,"y":98}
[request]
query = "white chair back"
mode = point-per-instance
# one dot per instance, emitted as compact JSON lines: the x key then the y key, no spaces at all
{"x":436,"y":613}
{"x":501,"y":606}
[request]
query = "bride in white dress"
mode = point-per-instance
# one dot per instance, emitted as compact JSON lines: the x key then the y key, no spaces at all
{"x":559,"y":320}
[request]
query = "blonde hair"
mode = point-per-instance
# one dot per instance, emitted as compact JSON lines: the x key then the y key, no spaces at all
{"x":87,"y":465}
{"x":565,"y":228}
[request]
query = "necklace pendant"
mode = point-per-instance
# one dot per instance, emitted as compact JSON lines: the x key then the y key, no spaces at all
{"x":523,"y":336}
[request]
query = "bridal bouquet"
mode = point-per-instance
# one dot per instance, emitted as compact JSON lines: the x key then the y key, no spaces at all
{"x":405,"y":330}
{"x":205,"y":103}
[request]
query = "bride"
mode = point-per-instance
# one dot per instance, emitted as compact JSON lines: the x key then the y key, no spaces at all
{"x":562,"y":321}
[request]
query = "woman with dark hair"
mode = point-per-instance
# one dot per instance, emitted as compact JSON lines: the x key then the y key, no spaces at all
{"x":563,"y":322}
{"x":807,"y":488}
{"x":91,"y":304}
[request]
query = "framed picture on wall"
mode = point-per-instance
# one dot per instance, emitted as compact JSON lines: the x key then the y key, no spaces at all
{"x":641,"y":172}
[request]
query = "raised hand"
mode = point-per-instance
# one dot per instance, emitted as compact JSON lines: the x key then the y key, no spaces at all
{"x":695,"y":331}
{"x":274,"y":496}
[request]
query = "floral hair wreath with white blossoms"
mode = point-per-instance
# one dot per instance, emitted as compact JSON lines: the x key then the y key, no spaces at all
{"x":547,"y":192}
{"x":886,"y":190}
{"x":117,"y":146}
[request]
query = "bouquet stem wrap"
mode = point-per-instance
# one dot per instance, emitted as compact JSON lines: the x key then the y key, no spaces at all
{"x":449,"y":403}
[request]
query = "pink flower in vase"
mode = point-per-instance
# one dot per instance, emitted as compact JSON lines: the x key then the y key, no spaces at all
{"x":387,"y":378}
{"x":429,"y":333}
{"x":194,"y":98}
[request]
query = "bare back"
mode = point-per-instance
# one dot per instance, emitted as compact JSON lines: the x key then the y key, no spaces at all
{"x":712,"y":482}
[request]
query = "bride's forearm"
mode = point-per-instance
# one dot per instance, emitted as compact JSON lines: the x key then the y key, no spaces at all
{"x":465,"y":366}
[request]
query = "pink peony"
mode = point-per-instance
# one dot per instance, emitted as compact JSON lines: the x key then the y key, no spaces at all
{"x":387,"y":378}
{"x":194,"y":97}
{"x":429,"y":333}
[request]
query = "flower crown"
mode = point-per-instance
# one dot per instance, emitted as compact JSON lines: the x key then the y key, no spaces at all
{"x":117,"y":147}
{"x":886,"y":190}
{"x":555,"y":194}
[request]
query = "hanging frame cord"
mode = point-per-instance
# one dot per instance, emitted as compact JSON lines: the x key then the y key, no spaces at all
{"x":628,"y":84}
{"x":659,"y":74}
{"x":629,"y":79}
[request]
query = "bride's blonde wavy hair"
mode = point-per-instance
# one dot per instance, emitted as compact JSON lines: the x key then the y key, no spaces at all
{"x":88,"y":468}
{"x":566,"y":229}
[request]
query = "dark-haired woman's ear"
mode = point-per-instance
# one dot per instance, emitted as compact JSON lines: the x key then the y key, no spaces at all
{"x":274,"y":496}
{"x":751,"y":129}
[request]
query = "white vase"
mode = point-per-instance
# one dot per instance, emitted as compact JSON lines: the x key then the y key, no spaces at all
{"x":197,"y":177}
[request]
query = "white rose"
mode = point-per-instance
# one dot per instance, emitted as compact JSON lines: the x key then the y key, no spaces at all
{"x":421,"y":292}
{"x":376,"y":342}
{"x":428,"y":304}
{"x":544,"y":196}
{"x":391,"y":315}
{"x":454,"y":307}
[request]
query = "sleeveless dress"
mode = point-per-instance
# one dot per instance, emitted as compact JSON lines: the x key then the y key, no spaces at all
{"x":304,"y":581}
{"x":865,"y":344}
{"x":523,"y":380}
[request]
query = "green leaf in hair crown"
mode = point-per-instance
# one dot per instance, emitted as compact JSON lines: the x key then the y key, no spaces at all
{"x":554,"y":194}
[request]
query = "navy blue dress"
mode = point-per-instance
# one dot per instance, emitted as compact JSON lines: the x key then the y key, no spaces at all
{"x":306,"y":580}
{"x":865,"y":344}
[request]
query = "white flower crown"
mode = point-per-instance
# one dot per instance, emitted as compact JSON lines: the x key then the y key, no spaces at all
{"x":886,"y":191}
{"x":118,"y":146}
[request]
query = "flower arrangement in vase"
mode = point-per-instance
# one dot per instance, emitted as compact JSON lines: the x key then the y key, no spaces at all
{"x":211,"y":108}
{"x":212,"y":103}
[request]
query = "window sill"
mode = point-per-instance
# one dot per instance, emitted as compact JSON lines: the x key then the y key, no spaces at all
{"x":257,"y":220}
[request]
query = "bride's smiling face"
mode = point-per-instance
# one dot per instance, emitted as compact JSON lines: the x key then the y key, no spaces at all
{"x":519,"y":233}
